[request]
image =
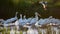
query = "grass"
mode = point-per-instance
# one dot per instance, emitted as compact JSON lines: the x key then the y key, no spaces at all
{"x":8,"y":31}
{"x":3,"y":31}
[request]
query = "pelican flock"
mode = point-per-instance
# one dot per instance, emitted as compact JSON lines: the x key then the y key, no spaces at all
{"x":33,"y":24}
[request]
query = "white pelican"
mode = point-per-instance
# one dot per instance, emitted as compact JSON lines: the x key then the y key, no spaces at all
{"x":44,"y":4}
{"x":12,"y":31}
{"x":30,"y":29}
{"x":11,"y":20}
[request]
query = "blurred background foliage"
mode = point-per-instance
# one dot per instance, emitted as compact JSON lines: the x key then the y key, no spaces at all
{"x":8,"y":8}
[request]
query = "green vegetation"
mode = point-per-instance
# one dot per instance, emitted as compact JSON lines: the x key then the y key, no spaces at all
{"x":28,"y":7}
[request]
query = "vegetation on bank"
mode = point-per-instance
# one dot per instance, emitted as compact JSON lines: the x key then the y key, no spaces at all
{"x":28,"y":7}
